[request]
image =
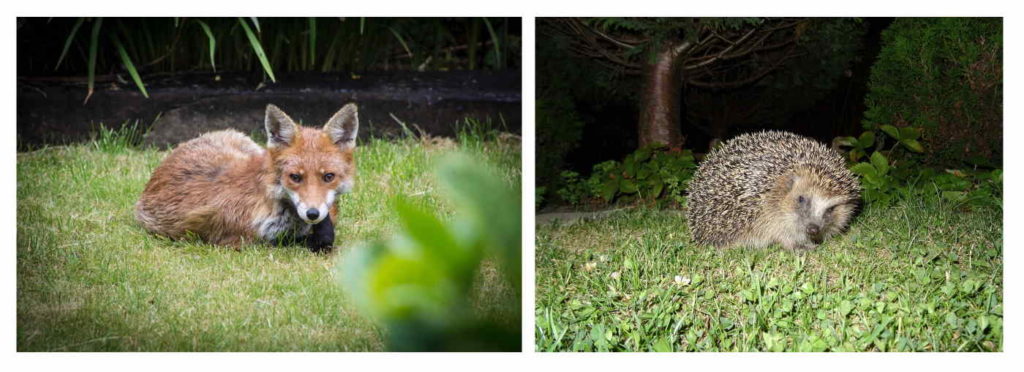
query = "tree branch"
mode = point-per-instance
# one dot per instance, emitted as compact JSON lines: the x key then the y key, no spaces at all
{"x":587,"y":42}
{"x":615,"y":41}
{"x":748,"y":80}
{"x":722,"y":53}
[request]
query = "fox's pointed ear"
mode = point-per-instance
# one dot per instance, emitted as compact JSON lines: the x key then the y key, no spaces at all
{"x":344,"y":126}
{"x":280,"y":128}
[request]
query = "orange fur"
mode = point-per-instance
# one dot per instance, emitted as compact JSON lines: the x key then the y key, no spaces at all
{"x":226,"y":189}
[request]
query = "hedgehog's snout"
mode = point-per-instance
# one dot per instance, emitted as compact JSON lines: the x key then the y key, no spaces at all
{"x":814,"y":232}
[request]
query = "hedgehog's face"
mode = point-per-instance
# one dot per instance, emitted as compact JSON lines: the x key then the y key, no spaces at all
{"x":818,"y":214}
{"x":821,"y":217}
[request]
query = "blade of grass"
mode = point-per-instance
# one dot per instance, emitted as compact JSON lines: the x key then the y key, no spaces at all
{"x":67,"y":43}
{"x":258,"y":48}
{"x":256,"y":22}
{"x":497,"y":44}
{"x":213,"y":42}
{"x":362,"y":24}
{"x":128,"y":65}
{"x":402,"y":41}
{"x":94,"y":44}
{"x":312,"y":43}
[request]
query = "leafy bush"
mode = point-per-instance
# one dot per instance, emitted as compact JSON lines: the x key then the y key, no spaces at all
{"x":943,"y":75}
{"x":893,"y":173}
{"x":649,"y":173}
{"x":574,"y":190}
{"x":969,"y":187}
{"x":871,"y":141}
{"x":418,"y":284}
{"x":646,"y":173}
{"x":879,"y":185}
{"x":934,"y":106}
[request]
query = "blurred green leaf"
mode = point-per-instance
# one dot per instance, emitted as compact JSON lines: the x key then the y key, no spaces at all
{"x":430,"y":233}
{"x":489,"y":207}
{"x":404,"y":288}
{"x":419,"y":282}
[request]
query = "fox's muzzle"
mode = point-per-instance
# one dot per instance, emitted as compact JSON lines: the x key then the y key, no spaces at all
{"x":311,"y":215}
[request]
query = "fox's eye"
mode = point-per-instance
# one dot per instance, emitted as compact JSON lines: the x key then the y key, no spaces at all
{"x":328,"y":177}
{"x":295,"y":177}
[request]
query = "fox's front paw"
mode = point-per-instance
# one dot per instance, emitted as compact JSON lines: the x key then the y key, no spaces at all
{"x":322,"y":237}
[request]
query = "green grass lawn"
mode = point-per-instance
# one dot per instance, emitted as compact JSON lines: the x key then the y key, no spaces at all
{"x":91,"y":279}
{"x":922,"y":275}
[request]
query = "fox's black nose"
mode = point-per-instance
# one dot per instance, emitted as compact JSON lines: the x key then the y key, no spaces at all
{"x":312,"y":213}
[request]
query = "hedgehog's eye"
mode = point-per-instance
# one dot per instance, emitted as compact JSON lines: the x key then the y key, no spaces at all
{"x":830,"y":209}
{"x":328,"y":177}
{"x":295,"y":177}
{"x":801,"y":199}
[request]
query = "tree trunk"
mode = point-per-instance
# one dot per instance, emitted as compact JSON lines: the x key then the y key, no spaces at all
{"x":660,"y":99}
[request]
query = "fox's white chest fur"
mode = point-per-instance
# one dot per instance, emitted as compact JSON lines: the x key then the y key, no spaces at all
{"x":281,"y":223}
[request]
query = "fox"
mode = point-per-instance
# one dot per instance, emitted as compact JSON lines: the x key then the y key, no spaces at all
{"x":227,"y":190}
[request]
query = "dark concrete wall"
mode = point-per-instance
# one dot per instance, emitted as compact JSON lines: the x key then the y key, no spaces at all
{"x":183,"y":106}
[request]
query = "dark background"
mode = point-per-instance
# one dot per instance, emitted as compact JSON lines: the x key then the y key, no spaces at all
{"x":836,"y":77}
{"x":426,"y":74}
{"x":611,"y":122}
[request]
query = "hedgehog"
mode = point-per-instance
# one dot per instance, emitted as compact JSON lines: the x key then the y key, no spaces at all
{"x":759,"y":189}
